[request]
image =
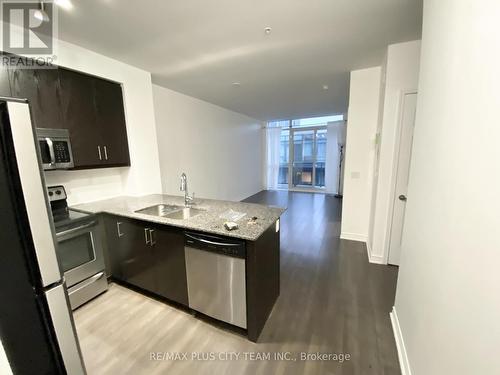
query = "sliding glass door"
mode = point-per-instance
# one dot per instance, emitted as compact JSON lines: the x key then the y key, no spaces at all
{"x":302,"y":158}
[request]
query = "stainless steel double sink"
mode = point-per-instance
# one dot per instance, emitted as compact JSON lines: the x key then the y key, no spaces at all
{"x":171,"y":211}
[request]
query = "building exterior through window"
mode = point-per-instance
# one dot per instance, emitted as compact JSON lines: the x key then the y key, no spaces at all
{"x":303,"y":146}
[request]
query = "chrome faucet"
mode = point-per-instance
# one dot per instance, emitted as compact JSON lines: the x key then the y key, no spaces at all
{"x":188,"y":200}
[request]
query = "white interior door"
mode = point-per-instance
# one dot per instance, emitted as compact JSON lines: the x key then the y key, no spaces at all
{"x":409,"y":104}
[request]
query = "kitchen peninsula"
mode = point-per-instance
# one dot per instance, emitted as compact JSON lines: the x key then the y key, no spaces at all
{"x":186,"y":255}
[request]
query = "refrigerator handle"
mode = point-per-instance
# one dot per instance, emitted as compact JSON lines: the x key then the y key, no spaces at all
{"x":34,"y":192}
{"x":65,"y":330}
{"x":51,"y":151}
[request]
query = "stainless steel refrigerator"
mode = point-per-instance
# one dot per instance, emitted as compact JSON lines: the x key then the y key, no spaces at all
{"x":36,"y":325}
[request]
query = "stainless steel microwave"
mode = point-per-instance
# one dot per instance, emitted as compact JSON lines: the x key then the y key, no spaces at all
{"x":55,"y":148}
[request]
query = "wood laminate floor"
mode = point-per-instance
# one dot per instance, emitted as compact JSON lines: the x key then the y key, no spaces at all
{"x":332,"y":301}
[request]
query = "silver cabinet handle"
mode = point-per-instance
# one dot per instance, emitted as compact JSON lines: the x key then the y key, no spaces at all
{"x":51,"y":151}
{"x":99,"y":152}
{"x":146,"y":231}
{"x":151,"y":238}
{"x":120,"y":234}
{"x":105,"y":153}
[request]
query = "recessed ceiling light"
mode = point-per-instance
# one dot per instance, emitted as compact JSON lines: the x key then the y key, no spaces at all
{"x":267,"y":30}
{"x":66,"y":4}
{"x":325,"y":87}
{"x":236,"y":84}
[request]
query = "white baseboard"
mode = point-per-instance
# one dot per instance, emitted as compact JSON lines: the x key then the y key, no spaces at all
{"x":377,"y":259}
{"x":353,"y":237}
{"x":400,"y":344}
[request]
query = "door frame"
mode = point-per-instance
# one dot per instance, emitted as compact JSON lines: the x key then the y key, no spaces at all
{"x":394,"y":173}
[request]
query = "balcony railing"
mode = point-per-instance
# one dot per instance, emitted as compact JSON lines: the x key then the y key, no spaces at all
{"x":303,"y":175}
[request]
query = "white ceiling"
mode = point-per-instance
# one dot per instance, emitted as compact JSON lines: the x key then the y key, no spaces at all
{"x":200,"y":47}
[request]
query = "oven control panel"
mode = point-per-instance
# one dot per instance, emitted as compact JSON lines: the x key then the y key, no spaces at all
{"x":56,"y":193}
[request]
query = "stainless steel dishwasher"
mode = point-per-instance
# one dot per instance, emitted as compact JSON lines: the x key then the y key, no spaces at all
{"x":216,"y":277}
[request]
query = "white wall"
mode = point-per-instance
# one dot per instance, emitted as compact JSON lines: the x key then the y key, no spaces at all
{"x":401,"y":74}
{"x":448,"y":300}
{"x":376,"y":160}
{"x":219,"y":150}
{"x":360,"y":152}
{"x":143,"y":175}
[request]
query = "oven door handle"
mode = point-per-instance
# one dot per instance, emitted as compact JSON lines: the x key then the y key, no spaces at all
{"x":75,"y":230}
{"x":51,"y":151}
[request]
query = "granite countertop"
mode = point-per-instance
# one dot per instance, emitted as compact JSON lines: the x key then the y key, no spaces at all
{"x":208,"y":221}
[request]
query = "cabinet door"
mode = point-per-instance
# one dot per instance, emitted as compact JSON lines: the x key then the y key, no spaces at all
{"x":79,"y":115}
{"x":111,"y":122}
{"x":48,"y":99}
{"x":112,"y":228}
{"x":41,"y":88}
{"x":170,"y":266}
{"x":130,"y":257}
{"x":4,"y":80}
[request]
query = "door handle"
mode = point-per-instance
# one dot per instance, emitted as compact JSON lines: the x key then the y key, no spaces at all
{"x":105,"y":153}
{"x":120,"y":234}
{"x":146,"y":231}
{"x":402,"y":198}
{"x":81,"y":228}
{"x":152,"y":242}
{"x":99,"y":152}
{"x":51,"y":151}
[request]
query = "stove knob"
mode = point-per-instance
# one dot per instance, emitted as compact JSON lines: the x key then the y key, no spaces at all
{"x":51,"y":193}
{"x":58,"y":192}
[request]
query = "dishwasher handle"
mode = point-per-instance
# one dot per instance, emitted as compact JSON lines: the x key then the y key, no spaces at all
{"x":216,"y":245}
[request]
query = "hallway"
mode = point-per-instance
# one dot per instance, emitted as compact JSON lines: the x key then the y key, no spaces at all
{"x":332,"y":301}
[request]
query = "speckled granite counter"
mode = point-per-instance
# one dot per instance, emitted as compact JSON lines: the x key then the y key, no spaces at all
{"x":208,"y":221}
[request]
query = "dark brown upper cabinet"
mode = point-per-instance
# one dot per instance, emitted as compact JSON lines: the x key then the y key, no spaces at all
{"x":41,"y":88}
{"x":93,"y":112}
{"x":89,"y":107}
{"x":79,"y":116}
{"x":110,"y":115}
{"x":4,"y":81}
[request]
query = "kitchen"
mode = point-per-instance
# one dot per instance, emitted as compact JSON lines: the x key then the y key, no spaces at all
{"x":79,"y":123}
{"x":181,"y":231}
{"x":132,"y":237}
{"x":199,"y":188}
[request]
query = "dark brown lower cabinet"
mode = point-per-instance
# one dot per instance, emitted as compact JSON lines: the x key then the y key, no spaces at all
{"x":170,"y":264}
{"x":147,"y":256}
{"x":130,"y":257}
{"x":151,"y":257}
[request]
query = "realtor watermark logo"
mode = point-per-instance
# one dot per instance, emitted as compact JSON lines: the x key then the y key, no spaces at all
{"x":29,"y":28}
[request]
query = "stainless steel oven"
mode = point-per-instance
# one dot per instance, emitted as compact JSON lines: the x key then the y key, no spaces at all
{"x":79,"y":249}
{"x":55,"y":148}
{"x":81,"y":259}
